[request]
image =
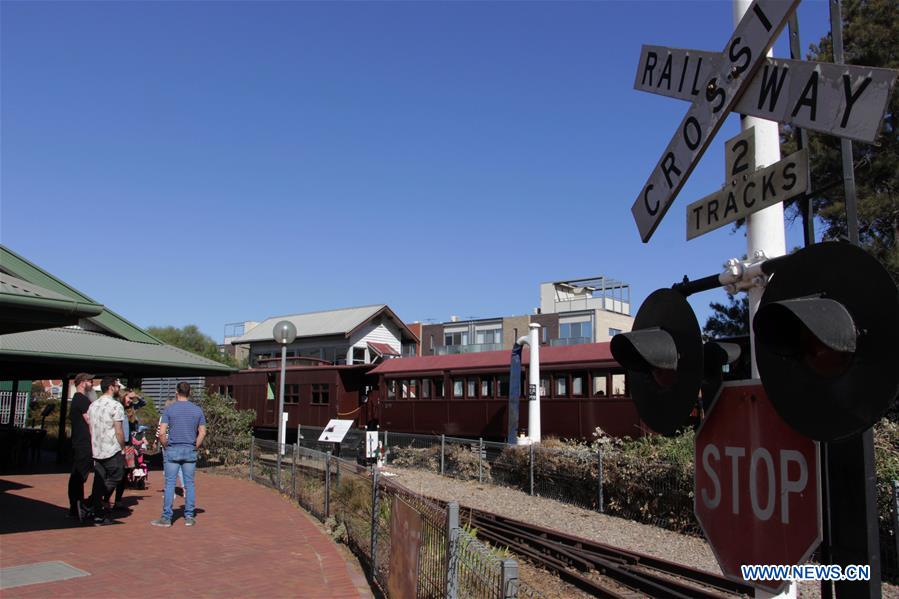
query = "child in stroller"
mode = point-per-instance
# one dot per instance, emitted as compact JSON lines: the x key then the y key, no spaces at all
{"x":136,"y":460}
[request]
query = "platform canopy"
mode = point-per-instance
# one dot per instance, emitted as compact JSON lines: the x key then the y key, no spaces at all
{"x":36,"y":343}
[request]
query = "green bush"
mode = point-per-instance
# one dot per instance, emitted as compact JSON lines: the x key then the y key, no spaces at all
{"x":228,"y":431}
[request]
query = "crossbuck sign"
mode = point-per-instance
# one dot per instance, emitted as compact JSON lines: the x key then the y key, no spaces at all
{"x":730,"y":74}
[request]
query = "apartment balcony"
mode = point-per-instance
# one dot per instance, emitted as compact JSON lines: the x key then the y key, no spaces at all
{"x":570,"y":341}
{"x":448,"y":350}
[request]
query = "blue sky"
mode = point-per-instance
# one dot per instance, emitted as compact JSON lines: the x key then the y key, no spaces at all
{"x":211,"y":162}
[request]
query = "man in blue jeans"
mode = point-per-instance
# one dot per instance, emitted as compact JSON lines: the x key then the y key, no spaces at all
{"x":181,"y":432}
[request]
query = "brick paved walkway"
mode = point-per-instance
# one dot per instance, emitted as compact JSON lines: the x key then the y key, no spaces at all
{"x":248,"y":541}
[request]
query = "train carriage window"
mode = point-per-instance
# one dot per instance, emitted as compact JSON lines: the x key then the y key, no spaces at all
{"x":600,"y":384}
{"x":458,"y":387}
{"x":487,"y":387}
{"x":619,"y":385}
{"x":561,"y":385}
{"x":391,"y":389}
{"x":291,"y":393}
{"x":270,"y":386}
{"x":321,"y":393}
{"x":438,"y":388}
{"x":577,"y":383}
{"x":544,"y":387}
{"x":404,"y":388}
{"x":426,"y":388}
{"x":472,"y":388}
{"x":502,"y":386}
{"x":413,"y":389}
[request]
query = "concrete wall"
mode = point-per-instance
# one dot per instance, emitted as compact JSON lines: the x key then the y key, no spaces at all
{"x":606,"y":320}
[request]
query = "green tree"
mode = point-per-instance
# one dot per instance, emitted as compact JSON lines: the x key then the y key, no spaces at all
{"x":728,"y":320}
{"x":191,"y":339}
{"x":870,"y":38}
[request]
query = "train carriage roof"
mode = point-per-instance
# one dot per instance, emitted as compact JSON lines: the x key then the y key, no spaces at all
{"x":585,"y":355}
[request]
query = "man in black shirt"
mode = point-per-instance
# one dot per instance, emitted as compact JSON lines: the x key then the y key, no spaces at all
{"x":83,"y":460}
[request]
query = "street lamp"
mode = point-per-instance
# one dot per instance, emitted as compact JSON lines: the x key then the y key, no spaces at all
{"x":284,"y":333}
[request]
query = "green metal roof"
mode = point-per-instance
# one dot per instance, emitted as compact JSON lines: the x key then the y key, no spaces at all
{"x":25,"y":306}
{"x":20,"y":268}
{"x":88,"y":351}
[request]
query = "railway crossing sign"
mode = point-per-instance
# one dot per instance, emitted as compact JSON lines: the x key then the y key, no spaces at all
{"x":730,"y":75}
{"x":844,"y":100}
{"x":747,"y":190}
{"x":757,"y":490}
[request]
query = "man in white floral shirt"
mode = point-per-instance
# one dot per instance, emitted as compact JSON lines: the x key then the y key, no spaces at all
{"x":107,"y":442}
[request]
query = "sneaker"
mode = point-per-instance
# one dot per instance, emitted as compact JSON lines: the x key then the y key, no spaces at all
{"x":163,"y":522}
{"x":189,"y":521}
{"x":101,"y":521}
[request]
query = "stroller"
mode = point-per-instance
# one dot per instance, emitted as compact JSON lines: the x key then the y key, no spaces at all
{"x":136,"y":458}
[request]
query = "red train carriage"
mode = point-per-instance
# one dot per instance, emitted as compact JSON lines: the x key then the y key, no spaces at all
{"x":464,"y":395}
{"x":312,"y":394}
{"x":467,"y":395}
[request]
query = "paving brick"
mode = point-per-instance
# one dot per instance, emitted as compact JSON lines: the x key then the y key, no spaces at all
{"x":248,"y":542}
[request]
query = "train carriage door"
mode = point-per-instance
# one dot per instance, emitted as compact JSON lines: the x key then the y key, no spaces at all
{"x":372,"y":406}
{"x":271,"y":399}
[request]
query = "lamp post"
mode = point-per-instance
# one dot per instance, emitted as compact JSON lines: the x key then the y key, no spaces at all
{"x":284,"y":333}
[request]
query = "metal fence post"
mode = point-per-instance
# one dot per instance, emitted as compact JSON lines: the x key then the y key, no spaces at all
{"x":531,"y":465}
{"x":252,"y":451}
{"x":279,"y":451}
{"x":896,"y":518}
{"x":327,"y":485}
{"x":374,"y":523}
{"x":293,"y":470}
{"x":442,"y":448}
{"x":452,"y":550}
{"x":386,"y":448}
{"x":599,"y":497}
{"x":510,"y":579}
{"x":480,"y":459}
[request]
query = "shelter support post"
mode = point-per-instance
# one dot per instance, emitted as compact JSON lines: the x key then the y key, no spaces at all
{"x":63,"y":415}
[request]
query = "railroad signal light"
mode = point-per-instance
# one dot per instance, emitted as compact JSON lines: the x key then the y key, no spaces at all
{"x":827,"y":341}
{"x":715,"y":356}
{"x":663,"y":357}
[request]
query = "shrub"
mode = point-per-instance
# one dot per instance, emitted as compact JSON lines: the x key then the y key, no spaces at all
{"x":228,"y":431}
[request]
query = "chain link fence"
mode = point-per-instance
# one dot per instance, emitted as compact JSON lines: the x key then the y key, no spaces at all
{"x":434,"y":557}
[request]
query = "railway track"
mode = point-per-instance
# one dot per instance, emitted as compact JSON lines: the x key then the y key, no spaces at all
{"x":599,"y":569}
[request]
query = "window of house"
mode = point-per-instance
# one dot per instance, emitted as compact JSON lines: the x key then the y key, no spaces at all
{"x":502,"y":386}
{"x":600,"y":383}
{"x":410,"y":349}
{"x":561,"y":385}
{"x":577,"y":384}
{"x":487,"y":387}
{"x":618,"y":384}
{"x":438,"y":388}
{"x":472,"y":388}
{"x":457,"y":338}
{"x":613,"y":332}
{"x":426,"y":389}
{"x":576,"y":330}
{"x":458,"y":387}
{"x":489,"y":336}
{"x":391,"y":389}
{"x":544,"y":335}
{"x":321,"y":393}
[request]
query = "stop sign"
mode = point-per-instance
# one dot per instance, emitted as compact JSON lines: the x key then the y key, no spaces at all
{"x":757,"y":494}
